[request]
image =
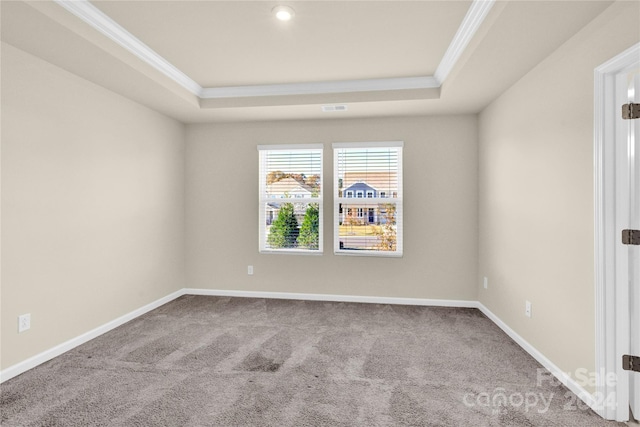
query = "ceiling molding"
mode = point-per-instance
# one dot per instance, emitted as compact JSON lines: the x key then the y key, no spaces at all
{"x":470,"y":24}
{"x":93,"y":16}
{"x":316,"y":88}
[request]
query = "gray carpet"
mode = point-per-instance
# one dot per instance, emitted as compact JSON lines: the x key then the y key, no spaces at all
{"x":213,"y":361}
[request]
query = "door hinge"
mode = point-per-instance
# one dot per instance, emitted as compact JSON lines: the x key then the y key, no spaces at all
{"x":631,"y":237}
{"x":631,"y":111}
{"x":631,"y":363}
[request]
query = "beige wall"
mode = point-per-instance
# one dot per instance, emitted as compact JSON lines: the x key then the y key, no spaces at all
{"x":92,"y":205}
{"x":536,"y":194}
{"x":96,"y":197}
{"x":440,"y":210}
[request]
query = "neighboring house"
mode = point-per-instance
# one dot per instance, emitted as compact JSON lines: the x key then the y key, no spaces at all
{"x":362,"y":211}
{"x":384,"y":183}
{"x":358,"y":210}
{"x":360,"y":190}
{"x":287,"y":188}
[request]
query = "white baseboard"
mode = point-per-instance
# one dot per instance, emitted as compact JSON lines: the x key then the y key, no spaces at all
{"x":38,"y":359}
{"x":47,"y":355}
{"x":562,"y":376}
{"x":333,"y":298}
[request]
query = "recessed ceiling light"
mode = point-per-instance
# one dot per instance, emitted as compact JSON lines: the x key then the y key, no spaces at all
{"x":283,"y":13}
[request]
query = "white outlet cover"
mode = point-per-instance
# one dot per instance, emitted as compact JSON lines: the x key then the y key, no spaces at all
{"x":24,"y":322}
{"x":486,"y":282}
{"x":250,"y":270}
{"x":527,"y":309}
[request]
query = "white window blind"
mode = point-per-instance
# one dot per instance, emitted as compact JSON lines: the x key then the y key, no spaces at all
{"x":371,"y":225}
{"x":290,"y":198}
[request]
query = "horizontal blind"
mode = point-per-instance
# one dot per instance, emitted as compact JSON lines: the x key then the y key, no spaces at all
{"x":290,"y":199}
{"x":368,"y":191}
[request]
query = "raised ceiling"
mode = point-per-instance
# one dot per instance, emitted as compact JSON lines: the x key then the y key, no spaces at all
{"x":231,"y":60}
{"x":219,"y":43}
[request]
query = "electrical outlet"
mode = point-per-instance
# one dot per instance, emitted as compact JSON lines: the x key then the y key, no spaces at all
{"x":527,"y":309}
{"x":250,"y":270}
{"x":486,"y":282}
{"x":24,"y":322}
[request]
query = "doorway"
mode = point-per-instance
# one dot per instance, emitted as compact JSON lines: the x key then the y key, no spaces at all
{"x":617,"y":207}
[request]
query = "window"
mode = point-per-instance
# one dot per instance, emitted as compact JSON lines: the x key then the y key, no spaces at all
{"x":372,"y":226}
{"x":290,"y":198}
{"x":349,"y":193}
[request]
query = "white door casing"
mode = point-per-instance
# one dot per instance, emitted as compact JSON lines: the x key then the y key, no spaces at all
{"x":615,"y":196}
{"x":633,"y":144}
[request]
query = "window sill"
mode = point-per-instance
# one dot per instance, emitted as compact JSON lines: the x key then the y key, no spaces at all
{"x":290,"y":252}
{"x":368,"y":254}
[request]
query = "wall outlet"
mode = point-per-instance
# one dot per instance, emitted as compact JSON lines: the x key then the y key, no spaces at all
{"x":24,"y":322}
{"x":486,"y":282}
{"x":250,"y":270}
{"x":527,"y":308}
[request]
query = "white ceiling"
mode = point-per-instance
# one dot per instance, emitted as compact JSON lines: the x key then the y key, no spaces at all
{"x":329,"y":52}
{"x":222,"y":43}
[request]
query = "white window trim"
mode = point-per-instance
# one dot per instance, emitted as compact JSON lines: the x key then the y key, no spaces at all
{"x":263,"y":200}
{"x":387,"y":199}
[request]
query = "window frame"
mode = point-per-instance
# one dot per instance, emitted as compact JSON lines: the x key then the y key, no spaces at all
{"x":390,"y":197}
{"x":264,"y":199}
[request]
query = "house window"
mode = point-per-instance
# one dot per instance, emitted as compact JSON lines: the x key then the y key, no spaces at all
{"x":377,"y":228}
{"x":349,"y":193}
{"x":290,"y":198}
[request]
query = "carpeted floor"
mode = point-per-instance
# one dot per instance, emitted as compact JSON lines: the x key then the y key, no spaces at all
{"x":213,"y":361}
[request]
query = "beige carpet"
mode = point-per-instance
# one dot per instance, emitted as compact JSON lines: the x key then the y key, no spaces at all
{"x":212,"y":361}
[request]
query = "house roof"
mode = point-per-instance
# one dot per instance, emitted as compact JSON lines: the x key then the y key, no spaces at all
{"x":378,"y":180}
{"x":360,"y":186}
{"x":288,"y":185}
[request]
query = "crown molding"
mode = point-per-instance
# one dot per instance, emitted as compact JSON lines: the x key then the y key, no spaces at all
{"x":315,"y":88}
{"x":473,"y":19}
{"x":94,"y":17}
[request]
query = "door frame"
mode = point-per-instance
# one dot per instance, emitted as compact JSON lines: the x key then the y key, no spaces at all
{"x":611,"y":280}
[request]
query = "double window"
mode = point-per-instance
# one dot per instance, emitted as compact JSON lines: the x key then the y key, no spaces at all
{"x":367,"y":198}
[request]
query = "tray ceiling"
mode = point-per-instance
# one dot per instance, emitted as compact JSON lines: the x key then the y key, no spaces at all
{"x":203,"y":61}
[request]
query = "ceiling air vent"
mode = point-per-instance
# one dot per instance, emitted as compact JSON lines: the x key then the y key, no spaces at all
{"x":330,"y":108}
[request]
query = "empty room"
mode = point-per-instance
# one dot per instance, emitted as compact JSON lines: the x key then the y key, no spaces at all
{"x":320,"y":213}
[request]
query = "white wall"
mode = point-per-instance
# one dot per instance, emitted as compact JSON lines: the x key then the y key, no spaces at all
{"x":536,"y":194}
{"x":92,"y":205}
{"x":440,"y":210}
